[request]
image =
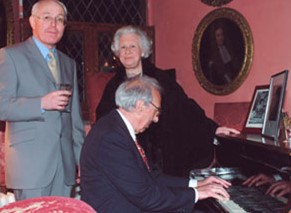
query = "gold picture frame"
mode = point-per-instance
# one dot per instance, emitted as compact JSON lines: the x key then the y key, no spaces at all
{"x":236,"y":30}
{"x":215,"y":3}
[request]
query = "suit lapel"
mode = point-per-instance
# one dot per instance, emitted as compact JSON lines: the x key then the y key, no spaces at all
{"x":65,"y":69}
{"x":36,"y":57}
{"x":132,"y":142}
{"x":62,"y":69}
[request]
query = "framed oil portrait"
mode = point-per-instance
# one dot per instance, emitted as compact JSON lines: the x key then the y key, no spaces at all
{"x":255,"y":117}
{"x":273,"y":115}
{"x":222,"y":51}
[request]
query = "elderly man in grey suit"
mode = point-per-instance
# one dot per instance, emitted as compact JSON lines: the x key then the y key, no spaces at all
{"x":43,"y":140}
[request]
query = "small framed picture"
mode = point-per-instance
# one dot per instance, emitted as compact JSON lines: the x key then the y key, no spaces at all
{"x":276,"y":97}
{"x":255,"y":117}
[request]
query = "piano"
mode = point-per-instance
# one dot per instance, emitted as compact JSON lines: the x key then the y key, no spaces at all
{"x":239,"y":157}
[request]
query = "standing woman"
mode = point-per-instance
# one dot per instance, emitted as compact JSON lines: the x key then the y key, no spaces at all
{"x":183,"y":138}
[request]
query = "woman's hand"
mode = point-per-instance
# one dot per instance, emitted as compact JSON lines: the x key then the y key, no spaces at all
{"x":226,"y":131}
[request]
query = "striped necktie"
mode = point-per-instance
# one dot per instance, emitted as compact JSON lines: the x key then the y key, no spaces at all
{"x":52,"y":64}
{"x":142,"y":154}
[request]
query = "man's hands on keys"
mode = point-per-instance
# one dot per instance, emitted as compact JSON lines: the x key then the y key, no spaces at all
{"x":258,"y":180}
{"x":213,"y":187}
{"x":277,"y":188}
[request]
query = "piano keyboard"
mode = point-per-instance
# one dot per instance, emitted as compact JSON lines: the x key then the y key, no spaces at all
{"x":242,"y":199}
{"x":231,"y":207}
{"x":251,"y":199}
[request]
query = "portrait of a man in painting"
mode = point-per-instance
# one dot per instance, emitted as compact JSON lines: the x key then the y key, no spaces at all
{"x":222,"y":51}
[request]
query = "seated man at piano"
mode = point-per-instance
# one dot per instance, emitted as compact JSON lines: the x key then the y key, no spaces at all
{"x":115,"y":174}
{"x":278,"y":187}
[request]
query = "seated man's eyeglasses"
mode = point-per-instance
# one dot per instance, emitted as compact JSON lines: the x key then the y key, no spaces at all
{"x":157,"y":108}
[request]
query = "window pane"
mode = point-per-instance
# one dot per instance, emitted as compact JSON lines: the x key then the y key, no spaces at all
{"x":102,"y":11}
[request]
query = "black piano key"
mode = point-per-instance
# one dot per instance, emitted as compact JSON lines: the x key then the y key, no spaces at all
{"x":253,"y":199}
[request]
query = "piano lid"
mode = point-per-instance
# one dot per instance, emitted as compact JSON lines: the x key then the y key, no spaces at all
{"x":280,"y":146}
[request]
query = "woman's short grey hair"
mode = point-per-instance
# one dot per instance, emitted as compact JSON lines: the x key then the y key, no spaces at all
{"x":145,"y":41}
{"x":134,"y":89}
{"x":34,"y":9}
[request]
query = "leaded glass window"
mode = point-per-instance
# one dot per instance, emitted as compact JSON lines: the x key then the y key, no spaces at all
{"x":101,"y":11}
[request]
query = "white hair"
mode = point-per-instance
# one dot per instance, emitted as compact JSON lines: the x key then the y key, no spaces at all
{"x":145,"y":41}
{"x":134,"y":89}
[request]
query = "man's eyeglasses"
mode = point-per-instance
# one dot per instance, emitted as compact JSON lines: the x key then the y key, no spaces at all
{"x":49,"y":19}
{"x":157,"y":108}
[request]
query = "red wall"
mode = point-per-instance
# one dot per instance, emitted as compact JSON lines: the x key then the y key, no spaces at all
{"x":176,"y":22}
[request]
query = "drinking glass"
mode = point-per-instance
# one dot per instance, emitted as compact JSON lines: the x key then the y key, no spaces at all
{"x":68,"y":87}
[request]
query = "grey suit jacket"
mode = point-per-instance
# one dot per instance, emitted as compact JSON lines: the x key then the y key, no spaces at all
{"x":36,"y":141}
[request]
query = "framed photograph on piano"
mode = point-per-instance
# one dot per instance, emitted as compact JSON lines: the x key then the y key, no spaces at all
{"x":256,"y":114}
{"x":273,"y":115}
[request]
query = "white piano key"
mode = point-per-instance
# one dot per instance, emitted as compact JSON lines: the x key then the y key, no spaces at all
{"x":231,"y":207}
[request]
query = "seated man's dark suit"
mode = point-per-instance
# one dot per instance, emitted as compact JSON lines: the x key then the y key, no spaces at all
{"x":115,"y":179}
{"x":183,"y":138}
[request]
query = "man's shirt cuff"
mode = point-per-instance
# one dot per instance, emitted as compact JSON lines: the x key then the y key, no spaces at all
{"x":193,"y":184}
